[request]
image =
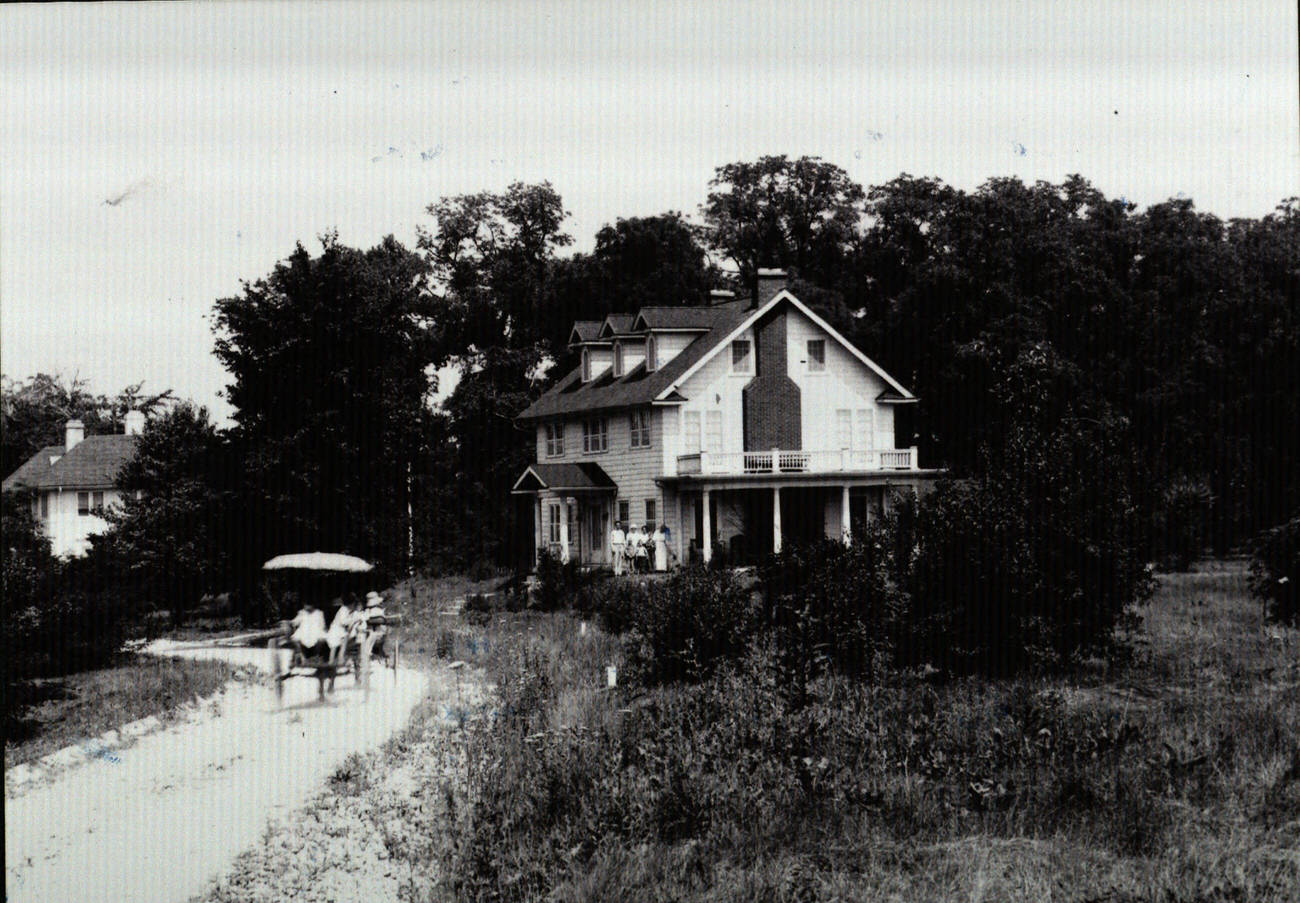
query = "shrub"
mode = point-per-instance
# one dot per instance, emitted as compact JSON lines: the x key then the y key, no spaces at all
{"x":1182,"y":523}
{"x":688,"y":624}
{"x":826,"y":605}
{"x":1275,"y":570}
{"x":614,"y":603}
{"x":557,"y":582}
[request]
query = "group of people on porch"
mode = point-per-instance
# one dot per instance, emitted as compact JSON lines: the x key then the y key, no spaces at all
{"x":638,"y":551}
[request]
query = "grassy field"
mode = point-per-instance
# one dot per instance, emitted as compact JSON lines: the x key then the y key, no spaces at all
{"x":65,"y":710}
{"x":1172,"y":774}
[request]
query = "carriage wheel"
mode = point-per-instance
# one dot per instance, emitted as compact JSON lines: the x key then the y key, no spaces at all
{"x":277,"y":672}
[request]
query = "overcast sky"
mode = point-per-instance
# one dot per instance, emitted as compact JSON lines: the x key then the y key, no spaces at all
{"x":153,"y":155}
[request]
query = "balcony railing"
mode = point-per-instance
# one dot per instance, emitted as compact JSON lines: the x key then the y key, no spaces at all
{"x":779,"y":461}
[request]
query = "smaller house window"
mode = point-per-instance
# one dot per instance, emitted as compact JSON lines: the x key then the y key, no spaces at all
{"x":741,"y":358}
{"x":618,"y":358}
{"x":651,"y":511}
{"x":624,"y":512}
{"x":97,"y":502}
{"x":595,"y":434}
{"x":651,"y":360}
{"x":640,"y":429}
{"x":83,"y":503}
{"x":554,"y":439}
{"x":816,"y":355}
{"x":45,"y":506}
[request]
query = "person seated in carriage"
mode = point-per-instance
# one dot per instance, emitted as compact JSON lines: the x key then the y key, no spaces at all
{"x":345,"y":622}
{"x":309,"y":633}
{"x":372,"y":619}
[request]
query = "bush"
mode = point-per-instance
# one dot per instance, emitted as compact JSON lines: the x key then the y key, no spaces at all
{"x":614,"y":603}
{"x":1275,"y":570}
{"x":557,"y":582}
{"x":826,"y":605}
{"x":1182,"y":523}
{"x":688,"y":624}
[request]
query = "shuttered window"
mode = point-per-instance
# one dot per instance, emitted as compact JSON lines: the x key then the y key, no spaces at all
{"x":713,"y":431}
{"x":866,"y":428}
{"x":691,"y":432}
{"x":844,"y":427}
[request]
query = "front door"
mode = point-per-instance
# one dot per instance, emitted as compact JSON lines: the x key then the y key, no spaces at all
{"x":596,"y":518}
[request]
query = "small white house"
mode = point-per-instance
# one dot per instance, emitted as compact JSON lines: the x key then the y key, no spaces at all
{"x":740,"y":423}
{"x":74,"y":483}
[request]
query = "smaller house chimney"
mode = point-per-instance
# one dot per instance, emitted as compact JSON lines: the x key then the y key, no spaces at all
{"x":134,"y":423}
{"x":770,"y":282}
{"x":73,"y":433}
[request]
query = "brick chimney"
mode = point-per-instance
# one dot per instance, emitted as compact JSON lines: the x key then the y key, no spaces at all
{"x":73,"y":433}
{"x":134,"y":423}
{"x":769,"y":283}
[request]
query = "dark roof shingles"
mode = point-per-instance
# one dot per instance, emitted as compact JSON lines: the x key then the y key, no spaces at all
{"x":93,"y":463}
{"x":637,"y":387}
{"x":573,"y":475}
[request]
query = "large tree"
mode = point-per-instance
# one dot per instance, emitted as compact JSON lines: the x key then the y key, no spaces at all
{"x":802,"y":214}
{"x":330,"y":362}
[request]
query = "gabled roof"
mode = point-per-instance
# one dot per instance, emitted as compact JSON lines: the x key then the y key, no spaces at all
{"x":584,"y":331}
{"x":781,"y":297}
{"x":671,"y":318}
{"x":636,"y":387}
{"x":566,"y":477}
{"x":27,"y":476}
{"x":615,"y":324}
{"x":93,"y":463}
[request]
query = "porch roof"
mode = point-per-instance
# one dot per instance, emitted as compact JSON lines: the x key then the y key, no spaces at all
{"x":797,"y":479}
{"x":580,"y":476}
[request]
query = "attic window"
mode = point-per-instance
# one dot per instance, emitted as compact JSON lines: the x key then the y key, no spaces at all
{"x":741,"y":360}
{"x":651,"y":362}
{"x":816,"y":355}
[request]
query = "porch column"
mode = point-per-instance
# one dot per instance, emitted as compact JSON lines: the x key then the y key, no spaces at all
{"x":537,"y":528}
{"x":846,"y":523}
{"x":706,"y":541}
{"x":776,"y":518}
{"x":564,"y":531}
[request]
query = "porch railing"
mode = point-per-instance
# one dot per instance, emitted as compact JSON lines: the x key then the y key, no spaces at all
{"x":792,"y":461}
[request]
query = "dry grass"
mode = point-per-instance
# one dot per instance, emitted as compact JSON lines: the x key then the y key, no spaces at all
{"x":79,"y":706}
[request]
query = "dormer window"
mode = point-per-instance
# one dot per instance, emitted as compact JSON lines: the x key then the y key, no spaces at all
{"x":586,"y":365}
{"x":618,"y":358}
{"x":651,"y":360}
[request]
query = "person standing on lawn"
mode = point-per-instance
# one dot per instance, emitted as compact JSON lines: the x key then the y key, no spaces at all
{"x":661,"y":548}
{"x":617,"y":546}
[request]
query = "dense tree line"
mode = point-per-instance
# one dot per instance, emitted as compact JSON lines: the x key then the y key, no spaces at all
{"x":1164,"y":340}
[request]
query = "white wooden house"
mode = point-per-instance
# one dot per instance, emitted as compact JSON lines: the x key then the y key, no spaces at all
{"x":742,"y":423}
{"x":73,"y":484}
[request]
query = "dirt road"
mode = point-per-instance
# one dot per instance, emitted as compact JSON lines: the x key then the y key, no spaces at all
{"x":175,"y":808}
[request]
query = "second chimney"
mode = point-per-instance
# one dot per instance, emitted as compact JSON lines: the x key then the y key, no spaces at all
{"x":770,"y":282}
{"x":134,"y":423}
{"x":73,"y":433}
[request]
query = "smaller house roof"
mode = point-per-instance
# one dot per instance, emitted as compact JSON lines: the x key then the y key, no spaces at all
{"x":28,"y":475}
{"x":563,"y":477}
{"x":93,"y":463}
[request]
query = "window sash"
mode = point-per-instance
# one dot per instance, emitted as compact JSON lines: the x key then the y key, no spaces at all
{"x":624,"y":512}
{"x":45,"y":506}
{"x":844,"y":427}
{"x":865,"y":429}
{"x":97,"y":502}
{"x":651,"y":361}
{"x":554,"y":440}
{"x":618,"y":358}
{"x":741,"y":356}
{"x":691,"y":432}
{"x":83,"y":503}
{"x":712,"y":431}
{"x":595,"y":435}
{"x":651,"y":515}
{"x":639,"y":427}
{"x":554,"y":522}
{"x":816,"y":355}
{"x":586,"y":365}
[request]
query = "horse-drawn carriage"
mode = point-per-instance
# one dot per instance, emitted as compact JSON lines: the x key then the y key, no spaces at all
{"x":367,"y":635}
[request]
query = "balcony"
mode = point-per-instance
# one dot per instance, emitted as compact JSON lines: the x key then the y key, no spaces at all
{"x":778,"y":461}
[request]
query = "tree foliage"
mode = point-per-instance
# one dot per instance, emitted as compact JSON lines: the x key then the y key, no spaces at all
{"x":330,"y":360}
